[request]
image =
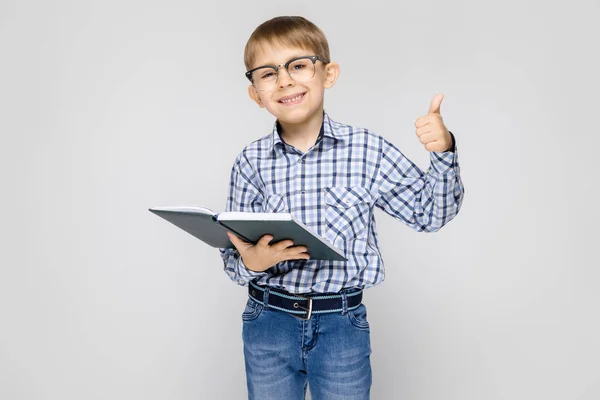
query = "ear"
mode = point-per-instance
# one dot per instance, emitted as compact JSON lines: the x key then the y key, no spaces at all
{"x":332,"y":71}
{"x":253,"y":93}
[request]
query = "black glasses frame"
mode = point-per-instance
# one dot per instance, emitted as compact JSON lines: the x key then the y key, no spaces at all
{"x":314,"y":60}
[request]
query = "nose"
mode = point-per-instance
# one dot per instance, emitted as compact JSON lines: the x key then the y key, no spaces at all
{"x":284,"y":79}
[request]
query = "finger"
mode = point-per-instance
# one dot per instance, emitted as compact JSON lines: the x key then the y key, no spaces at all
{"x":424,"y":130}
{"x":235,"y":237}
{"x":429,"y":119}
{"x":301,"y":256}
{"x":422,"y":121}
{"x":283,"y":244}
{"x":237,"y":242}
{"x":434,"y":107}
{"x":434,"y":146}
{"x":298,"y":249}
{"x":264,"y":240}
{"x":428,"y":138}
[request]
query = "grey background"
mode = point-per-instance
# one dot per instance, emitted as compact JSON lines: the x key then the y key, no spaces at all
{"x":108,"y":108}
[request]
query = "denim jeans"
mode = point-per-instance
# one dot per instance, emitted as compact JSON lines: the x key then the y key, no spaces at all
{"x":330,"y":352}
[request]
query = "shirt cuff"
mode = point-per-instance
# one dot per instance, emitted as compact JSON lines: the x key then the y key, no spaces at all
{"x":446,"y":162}
{"x":244,"y":273}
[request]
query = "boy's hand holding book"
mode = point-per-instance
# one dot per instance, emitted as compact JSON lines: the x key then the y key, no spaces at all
{"x":431,"y":129}
{"x":263,"y":255}
{"x":249,"y":228}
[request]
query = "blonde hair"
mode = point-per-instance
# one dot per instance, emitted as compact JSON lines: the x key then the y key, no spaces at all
{"x":290,"y":31}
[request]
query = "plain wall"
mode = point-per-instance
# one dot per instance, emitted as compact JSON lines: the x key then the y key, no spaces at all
{"x":111,"y":107}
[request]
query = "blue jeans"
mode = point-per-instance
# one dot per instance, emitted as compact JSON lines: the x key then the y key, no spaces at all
{"x":330,"y":352}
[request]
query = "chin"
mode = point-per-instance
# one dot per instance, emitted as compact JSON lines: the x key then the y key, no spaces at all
{"x":293,"y":119}
{"x":298,"y":116}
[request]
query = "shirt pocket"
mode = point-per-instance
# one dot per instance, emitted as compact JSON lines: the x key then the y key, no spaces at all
{"x":274,"y":203}
{"x":347,"y":212}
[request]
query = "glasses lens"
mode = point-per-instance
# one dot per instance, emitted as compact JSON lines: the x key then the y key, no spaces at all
{"x":302,"y":70}
{"x":264,"y":78}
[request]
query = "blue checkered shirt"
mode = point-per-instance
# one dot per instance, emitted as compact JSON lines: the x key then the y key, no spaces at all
{"x":333,"y":188}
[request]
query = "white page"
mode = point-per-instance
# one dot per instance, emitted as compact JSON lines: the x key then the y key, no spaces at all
{"x":253,"y":216}
{"x":186,"y":208}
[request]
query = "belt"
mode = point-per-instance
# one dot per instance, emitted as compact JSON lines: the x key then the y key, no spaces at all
{"x":303,"y":306}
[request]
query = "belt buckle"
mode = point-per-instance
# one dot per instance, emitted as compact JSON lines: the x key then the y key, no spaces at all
{"x":308,"y":310}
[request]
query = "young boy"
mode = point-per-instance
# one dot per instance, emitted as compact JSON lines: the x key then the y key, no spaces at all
{"x":304,"y":321}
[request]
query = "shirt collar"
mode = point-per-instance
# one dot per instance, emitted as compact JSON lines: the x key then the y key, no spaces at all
{"x":328,"y":130}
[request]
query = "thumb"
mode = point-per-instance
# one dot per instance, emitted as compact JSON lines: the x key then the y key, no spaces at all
{"x":237,"y":242}
{"x":434,"y":107}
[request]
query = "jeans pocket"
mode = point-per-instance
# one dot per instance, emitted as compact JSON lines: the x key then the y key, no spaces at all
{"x":252,"y":310}
{"x":358,"y":317}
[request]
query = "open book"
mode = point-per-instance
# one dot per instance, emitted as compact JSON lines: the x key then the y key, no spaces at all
{"x":211,"y":228}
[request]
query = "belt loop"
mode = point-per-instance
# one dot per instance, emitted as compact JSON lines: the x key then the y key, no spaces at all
{"x":344,"y":303}
{"x":266,"y":298}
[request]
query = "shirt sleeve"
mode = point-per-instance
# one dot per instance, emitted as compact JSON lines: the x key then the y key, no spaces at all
{"x":423,"y":201}
{"x":243,"y":196}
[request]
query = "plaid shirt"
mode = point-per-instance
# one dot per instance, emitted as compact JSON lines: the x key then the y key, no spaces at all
{"x":333,"y":189}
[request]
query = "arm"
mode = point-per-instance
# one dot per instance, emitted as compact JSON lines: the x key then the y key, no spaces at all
{"x":423,"y":201}
{"x":243,"y":196}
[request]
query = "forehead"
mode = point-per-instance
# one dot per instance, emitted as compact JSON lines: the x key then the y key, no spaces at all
{"x":277,"y":53}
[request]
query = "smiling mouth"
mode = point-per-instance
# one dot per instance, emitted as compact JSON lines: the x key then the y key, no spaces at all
{"x":293,"y":100}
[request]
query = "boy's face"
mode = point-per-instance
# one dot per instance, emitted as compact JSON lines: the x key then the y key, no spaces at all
{"x":311,"y":92}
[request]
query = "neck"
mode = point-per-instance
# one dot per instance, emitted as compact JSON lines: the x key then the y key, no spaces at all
{"x":302,"y":135}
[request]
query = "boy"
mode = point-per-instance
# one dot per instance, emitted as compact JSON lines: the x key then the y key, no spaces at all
{"x":304,"y":321}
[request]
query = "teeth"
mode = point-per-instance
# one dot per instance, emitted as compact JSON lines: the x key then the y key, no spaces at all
{"x":292,"y":99}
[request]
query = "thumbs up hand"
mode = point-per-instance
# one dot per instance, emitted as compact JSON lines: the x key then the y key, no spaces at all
{"x":431,"y":130}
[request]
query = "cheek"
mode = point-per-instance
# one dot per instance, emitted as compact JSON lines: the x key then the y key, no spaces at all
{"x":265,"y":101}
{"x":269,"y":103}
{"x":317,"y":92}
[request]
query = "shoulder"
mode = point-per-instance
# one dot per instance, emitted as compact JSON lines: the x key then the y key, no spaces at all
{"x":357,"y":135}
{"x":254,"y":151}
{"x":374,"y":146}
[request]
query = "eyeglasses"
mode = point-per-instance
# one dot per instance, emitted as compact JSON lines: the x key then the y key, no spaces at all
{"x":300,"y":69}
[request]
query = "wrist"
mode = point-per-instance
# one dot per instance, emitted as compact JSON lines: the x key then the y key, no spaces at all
{"x":251,"y":267}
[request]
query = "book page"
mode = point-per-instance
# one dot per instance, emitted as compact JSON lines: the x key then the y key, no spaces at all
{"x":253,"y":216}
{"x":194,"y":209}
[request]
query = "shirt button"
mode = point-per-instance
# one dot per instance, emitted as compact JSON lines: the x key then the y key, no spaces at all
{"x":302,"y":161}
{"x":302,"y":191}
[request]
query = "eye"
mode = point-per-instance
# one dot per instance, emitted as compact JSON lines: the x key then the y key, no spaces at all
{"x":266,"y":75}
{"x":299,"y":65}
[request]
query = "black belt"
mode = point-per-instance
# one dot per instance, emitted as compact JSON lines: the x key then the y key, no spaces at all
{"x":303,"y":306}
